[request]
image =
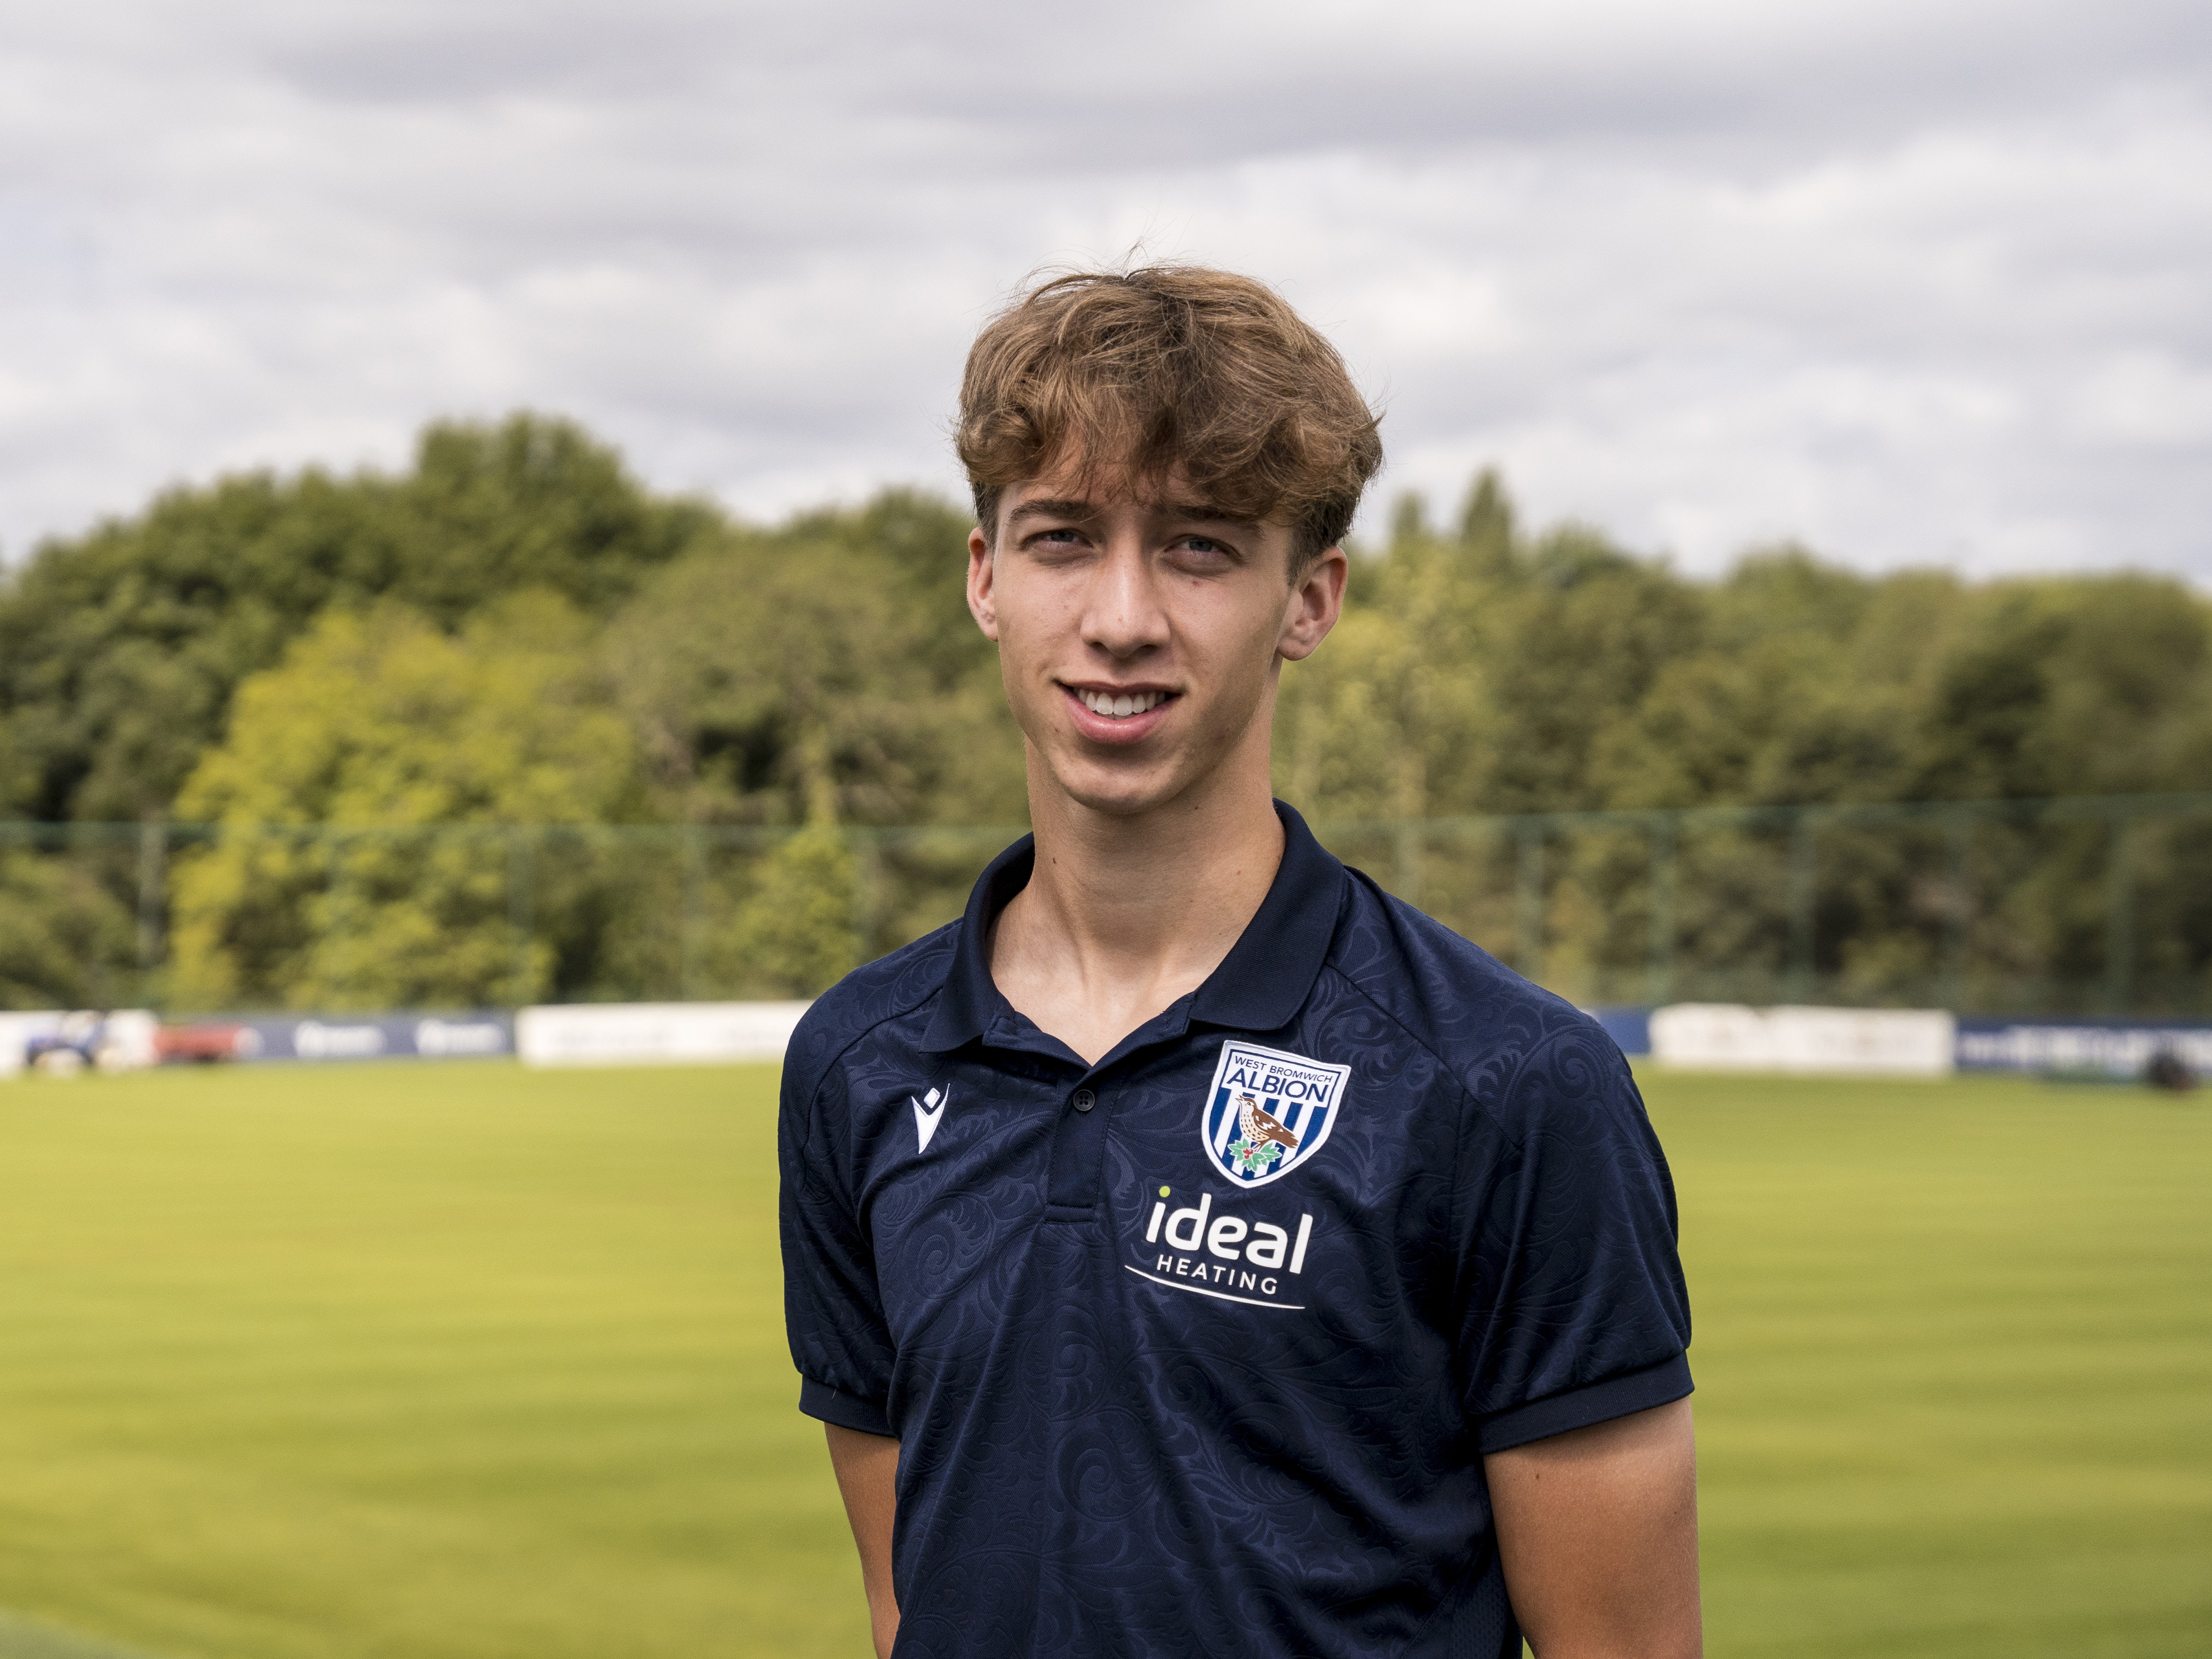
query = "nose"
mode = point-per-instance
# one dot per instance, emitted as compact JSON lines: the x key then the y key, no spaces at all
{"x":1122,"y":615}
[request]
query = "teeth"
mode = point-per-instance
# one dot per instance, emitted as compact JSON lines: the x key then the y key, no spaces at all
{"x":1120,"y":708}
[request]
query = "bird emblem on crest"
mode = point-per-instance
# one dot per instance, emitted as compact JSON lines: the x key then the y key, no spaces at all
{"x":1264,"y":1139}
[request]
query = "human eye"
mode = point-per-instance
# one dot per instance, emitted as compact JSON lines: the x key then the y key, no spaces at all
{"x":1197,"y":552}
{"x":1054,"y":539}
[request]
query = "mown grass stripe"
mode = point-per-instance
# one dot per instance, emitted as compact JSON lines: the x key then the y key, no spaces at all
{"x":26,"y":1638}
{"x":471,"y":1363}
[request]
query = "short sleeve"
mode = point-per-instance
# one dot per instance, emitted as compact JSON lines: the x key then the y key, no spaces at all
{"x":1576,"y":1311}
{"x":833,"y":1309}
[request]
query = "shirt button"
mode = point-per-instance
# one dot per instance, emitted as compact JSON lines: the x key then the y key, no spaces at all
{"x":1085,"y":1100}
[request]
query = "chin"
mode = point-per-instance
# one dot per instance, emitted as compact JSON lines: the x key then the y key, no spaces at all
{"x":1126,"y":796}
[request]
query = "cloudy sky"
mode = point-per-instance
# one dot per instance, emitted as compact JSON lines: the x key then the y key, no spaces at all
{"x":1909,"y":282}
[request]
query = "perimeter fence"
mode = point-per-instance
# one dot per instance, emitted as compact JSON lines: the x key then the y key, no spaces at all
{"x":2075,"y":905}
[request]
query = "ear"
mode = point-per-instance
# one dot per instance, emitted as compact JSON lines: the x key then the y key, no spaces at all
{"x":982,"y":584}
{"x":1314,"y":605}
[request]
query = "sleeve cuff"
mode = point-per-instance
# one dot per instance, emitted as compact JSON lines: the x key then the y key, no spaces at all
{"x":847,"y":1411}
{"x":1577,"y":1409}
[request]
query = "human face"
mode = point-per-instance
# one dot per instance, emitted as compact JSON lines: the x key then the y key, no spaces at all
{"x":1141,"y":632}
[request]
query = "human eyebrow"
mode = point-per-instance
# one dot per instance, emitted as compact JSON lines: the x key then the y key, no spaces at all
{"x":1207,"y":513}
{"x":1079,"y":512}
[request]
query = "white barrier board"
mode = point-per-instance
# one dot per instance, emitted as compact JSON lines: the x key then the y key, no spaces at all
{"x":656,"y":1033}
{"x":16,"y":1031}
{"x":1714,"y":1037}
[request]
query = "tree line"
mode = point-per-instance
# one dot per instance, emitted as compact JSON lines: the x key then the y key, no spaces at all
{"x":515,"y":631}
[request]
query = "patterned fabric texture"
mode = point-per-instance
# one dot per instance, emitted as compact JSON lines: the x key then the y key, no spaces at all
{"x":1168,"y":1381}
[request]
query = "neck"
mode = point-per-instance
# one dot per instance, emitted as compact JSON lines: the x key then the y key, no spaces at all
{"x":1124,"y":915}
{"x":1143,"y":886}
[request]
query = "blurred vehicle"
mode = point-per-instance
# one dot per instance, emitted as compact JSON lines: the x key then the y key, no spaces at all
{"x":120,"y":1040}
{"x":203,"y":1045}
{"x":79,"y":1040}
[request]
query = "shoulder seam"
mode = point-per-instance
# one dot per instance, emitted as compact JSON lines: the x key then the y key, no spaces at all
{"x":1459,"y":1079}
{"x":814,"y":1094}
{"x":1454,"y":1072}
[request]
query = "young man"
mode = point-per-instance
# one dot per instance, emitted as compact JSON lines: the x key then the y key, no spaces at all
{"x":1192,"y":1250}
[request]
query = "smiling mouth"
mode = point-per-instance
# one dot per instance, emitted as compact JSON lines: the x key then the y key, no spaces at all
{"x":1119,"y":705}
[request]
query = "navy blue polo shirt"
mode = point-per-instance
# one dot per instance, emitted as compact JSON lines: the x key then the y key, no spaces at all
{"x":1196,"y":1351}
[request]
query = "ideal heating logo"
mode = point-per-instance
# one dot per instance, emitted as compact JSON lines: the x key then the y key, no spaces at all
{"x":1225,"y":1256}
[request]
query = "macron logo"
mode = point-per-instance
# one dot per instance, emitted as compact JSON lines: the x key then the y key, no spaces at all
{"x":926,"y":1118}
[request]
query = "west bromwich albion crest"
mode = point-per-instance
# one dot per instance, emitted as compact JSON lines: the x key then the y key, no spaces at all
{"x":1269,"y":1112}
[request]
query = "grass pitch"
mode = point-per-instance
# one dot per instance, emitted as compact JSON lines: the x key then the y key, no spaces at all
{"x":1954,"y":1352}
{"x":420,"y":1362}
{"x":461,"y":1361}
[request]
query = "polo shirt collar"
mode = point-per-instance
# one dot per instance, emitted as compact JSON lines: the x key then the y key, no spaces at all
{"x":972,"y":1003}
{"x":1260,"y":986}
{"x":1269,"y":972}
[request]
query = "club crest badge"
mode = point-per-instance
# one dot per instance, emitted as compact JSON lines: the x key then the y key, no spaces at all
{"x":1269,"y":1112}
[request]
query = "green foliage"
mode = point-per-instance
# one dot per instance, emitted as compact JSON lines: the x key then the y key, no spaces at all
{"x":378,"y":718}
{"x":1481,"y":671}
{"x":57,"y":926}
{"x":827,"y":672}
{"x":515,"y":631}
{"x":120,"y":650}
{"x":794,"y":933}
{"x":1489,"y":671}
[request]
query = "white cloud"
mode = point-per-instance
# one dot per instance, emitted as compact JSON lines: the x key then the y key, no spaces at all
{"x":1906,"y":284}
{"x":2147,"y":398}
